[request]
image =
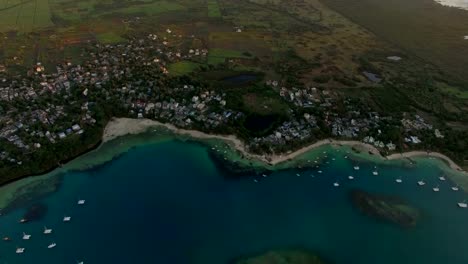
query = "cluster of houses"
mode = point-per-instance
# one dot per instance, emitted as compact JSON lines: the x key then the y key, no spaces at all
{"x":44,"y":108}
{"x":294,"y":130}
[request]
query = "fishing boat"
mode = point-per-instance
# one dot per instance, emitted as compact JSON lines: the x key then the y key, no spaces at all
{"x":47,"y":231}
{"x":26,"y":236}
{"x":19,"y":250}
{"x":298,"y":175}
{"x":399,"y":180}
{"x":336,"y":184}
{"x":67,"y":218}
{"x":356,"y":167}
{"x":436,"y":189}
{"x":421,"y":183}
{"x":455,"y":188}
{"x":375,"y":173}
{"x":319,"y":171}
{"x":23,"y":220}
{"x":81,"y":202}
{"x":6,"y":239}
{"x":442,"y":178}
{"x":255,"y":180}
{"x":351,"y":177}
{"x":52,"y":245}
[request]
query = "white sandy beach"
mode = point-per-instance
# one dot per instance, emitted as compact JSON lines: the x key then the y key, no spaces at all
{"x":124,"y":126}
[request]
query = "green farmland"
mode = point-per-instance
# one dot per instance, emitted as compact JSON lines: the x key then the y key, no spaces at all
{"x":213,"y":8}
{"x":24,"y":16}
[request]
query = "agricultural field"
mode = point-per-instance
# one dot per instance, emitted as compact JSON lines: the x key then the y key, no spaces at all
{"x":24,"y":16}
{"x":216,"y":56}
{"x":213,"y":9}
{"x":182,"y":68}
{"x":413,"y":28}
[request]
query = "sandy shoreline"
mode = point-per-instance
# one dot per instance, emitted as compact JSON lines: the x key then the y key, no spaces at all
{"x":126,"y":126}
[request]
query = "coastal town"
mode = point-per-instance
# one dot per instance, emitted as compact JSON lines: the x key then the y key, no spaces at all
{"x":45,"y":107}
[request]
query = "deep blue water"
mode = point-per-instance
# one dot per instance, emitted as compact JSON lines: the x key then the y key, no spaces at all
{"x":167,"y":203}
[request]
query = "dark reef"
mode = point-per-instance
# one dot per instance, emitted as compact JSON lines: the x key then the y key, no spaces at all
{"x":34,"y":191}
{"x":35,"y":212}
{"x":390,"y":209}
{"x":282,"y":256}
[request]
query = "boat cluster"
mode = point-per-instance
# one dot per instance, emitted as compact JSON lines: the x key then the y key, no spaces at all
{"x":46,"y":231}
{"x":375,"y":172}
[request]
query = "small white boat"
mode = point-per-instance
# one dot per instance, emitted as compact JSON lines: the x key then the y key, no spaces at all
{"x":442,"y":178}
{"x":298,"y":175}
{"x":79,"y":262}
{"x":19,"y":250}
{"x":399,"y":180}
{"x":81,"y":202}
{"x":436,"y":189}
{"x":375,"y":173}
{"x":356,"y":167}
{"x":463,"y":204}
{"x":333,"y":159}
{"x":52,"y":245}
{"x":345,"y":157}
{"x":319,"y":171}
{"x":67,"y":218}
{"x":26,"y":236}
{"x":264,"y":175}
{"x":336,"y":184}
{"x":421,"y":183}
{"x":351,"y":177}
{"x":455,"y":188}
{"x":47,"y":231}
{"x":255,"y":180}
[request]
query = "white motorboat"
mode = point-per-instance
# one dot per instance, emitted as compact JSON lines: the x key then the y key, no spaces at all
{"x":52,"y":245}
{"x":81,"y":202}
{"x":463,"y":204}
{"x":47,"y":231}
{"x":67,"y":218}
{"x":26,"y":236}
{"x":421,"y":183}
{"x":19,"y":250}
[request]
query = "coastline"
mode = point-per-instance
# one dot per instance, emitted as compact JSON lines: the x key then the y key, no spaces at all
{"x":118,"y":127}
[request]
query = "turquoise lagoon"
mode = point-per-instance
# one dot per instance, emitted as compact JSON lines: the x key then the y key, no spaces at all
{"x":163,"y":200}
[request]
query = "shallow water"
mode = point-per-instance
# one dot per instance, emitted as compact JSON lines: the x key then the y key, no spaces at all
{"x":166,"y":202}
{"x":455,"y":3}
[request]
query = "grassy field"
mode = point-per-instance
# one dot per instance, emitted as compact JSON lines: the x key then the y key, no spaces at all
{"x":24,"y":16}
{"x":109,"y":37}
{"x":216,"y":56}
{"x":183,"y":67}
{"x":213,"y":8}
{"x":422,"y":27}
{"x":454,"y":91}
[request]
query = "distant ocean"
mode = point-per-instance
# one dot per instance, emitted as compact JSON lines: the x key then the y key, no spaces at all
{"x":167,"y":203}
{"x":454,"y":3}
